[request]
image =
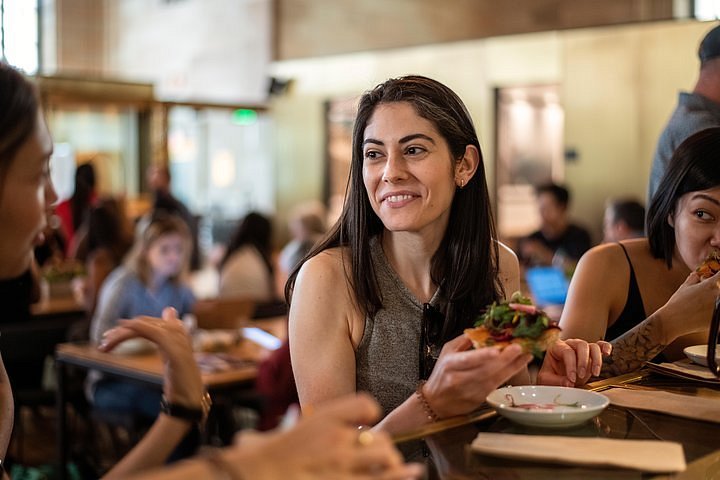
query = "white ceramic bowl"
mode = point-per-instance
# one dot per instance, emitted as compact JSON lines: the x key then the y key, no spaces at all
{"x":548,"y":407}
{"x":698,"y":354}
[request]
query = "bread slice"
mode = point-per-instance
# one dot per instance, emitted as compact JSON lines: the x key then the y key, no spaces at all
{"x":481,"y":338}
{"x":710,"y":266}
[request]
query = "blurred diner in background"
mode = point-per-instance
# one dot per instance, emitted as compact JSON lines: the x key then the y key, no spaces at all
{"x":233,"y":127}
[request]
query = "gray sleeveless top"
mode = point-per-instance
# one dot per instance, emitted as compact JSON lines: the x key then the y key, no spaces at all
{"x":388,"y":357}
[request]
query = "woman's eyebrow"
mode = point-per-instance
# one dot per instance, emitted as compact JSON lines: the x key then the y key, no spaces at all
{"x":372,"y":140}
{"x":706,"y":197}
{"x":405,"y":139}
{"x":415,"y":136}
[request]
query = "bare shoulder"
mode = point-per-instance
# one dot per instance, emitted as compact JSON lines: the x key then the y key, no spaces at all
{"x":639,"y":251}
{"x":605,"y":257}
{"x":597,"y":293}
{"x":327,"y":267}
{"x":602,"y":268}
{"x":323,"y":277}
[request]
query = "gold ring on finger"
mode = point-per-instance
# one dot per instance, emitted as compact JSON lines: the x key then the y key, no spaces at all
{"x":365,"y":438}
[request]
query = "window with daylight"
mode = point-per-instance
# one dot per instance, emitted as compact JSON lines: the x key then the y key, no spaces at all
{"x":19,"y":34}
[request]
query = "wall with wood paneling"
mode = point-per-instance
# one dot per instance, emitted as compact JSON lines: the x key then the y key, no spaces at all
{"x":311,"y":28}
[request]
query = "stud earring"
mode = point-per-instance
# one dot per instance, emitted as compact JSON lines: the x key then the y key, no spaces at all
{"x":462,"y":183}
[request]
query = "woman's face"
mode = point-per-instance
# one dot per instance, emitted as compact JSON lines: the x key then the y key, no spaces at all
{"x":26,"y":197}
{"x":166,"y":255}
{"x":408,"y":170}
{"x":697,"y":225}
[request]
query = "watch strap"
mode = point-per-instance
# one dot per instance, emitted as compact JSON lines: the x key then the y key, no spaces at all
{"x":191,"y":414}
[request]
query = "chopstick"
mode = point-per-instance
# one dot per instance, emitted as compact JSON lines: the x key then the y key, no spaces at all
{"x":445,"y":424}
{"x":628,"y":378}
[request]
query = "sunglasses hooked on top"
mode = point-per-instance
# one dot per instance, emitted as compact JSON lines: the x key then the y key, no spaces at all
{"x":430,"y":333}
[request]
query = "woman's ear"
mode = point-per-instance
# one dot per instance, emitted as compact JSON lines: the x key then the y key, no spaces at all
{"x":671,"y":219}
{"x":466,"y":167}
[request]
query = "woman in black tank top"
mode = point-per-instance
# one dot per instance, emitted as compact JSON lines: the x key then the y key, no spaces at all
{"x":606,"y":296}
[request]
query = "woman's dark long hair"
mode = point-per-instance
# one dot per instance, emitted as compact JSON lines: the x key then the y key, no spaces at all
{"x":694,"y":166}
{"x":466,"y":262}
{"x":82,"y":197}
{"x":106,"y":229}
{"x":19,"y":109}
{"x":255,"y":230}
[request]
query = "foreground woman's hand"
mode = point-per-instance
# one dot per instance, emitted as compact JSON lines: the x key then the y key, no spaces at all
{"x":572,"y":362}
{"x":182,"y":384}
{"x":463,"y":377}
{"x":324,"y":445}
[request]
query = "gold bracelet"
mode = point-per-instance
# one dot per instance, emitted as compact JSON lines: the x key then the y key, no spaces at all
{"x":221,"y":466}
{"x":431,"y":415}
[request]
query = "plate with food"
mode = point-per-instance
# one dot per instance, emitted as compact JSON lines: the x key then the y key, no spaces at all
{"x":698,"y":354}
{"x":514,"y":321}
{"x":546,"y":406}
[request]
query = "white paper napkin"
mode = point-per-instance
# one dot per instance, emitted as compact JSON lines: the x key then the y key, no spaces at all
{"x":645,"y":455}
{"x":679,"y":405}
{"x":685,"y":369}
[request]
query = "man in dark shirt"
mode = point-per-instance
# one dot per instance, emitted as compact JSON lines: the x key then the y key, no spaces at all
{"x":558,"y":242}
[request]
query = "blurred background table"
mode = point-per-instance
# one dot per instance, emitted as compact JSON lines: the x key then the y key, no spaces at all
{"x":148,"y":368}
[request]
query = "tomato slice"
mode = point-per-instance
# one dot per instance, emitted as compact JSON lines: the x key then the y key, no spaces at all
{"x":521,"y":307}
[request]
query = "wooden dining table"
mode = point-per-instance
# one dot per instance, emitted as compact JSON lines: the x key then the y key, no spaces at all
{"x":148,"y":368}
{"x":449,"y":456}
{"x":57,"y":307}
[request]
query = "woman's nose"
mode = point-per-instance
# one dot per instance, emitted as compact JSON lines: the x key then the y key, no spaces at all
{"x":394,"y":168}
{"x":51,"y":196}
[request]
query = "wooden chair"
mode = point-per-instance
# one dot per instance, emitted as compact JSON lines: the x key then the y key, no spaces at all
{"x":223,"y":312}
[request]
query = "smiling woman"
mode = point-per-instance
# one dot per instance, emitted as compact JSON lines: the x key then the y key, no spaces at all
{"x":643,"y":295}
{"x":412,"y":261}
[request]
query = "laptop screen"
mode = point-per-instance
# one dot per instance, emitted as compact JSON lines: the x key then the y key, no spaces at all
{"x":548,"y":285}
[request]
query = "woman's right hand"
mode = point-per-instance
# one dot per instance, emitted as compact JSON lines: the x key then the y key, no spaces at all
{"x":690,"y":308}
{"x":324,"y":445}
{"x":181,"y":381}
{"x":463,"y":377}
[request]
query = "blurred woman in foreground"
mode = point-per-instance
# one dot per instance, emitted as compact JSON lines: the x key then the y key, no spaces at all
{"x":324,"y":445}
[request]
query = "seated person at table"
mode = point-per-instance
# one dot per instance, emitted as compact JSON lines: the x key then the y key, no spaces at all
{"x":73,"y":211}
{"x":105,"y":241}
{"x":149,"y":281}
{"x":643,"y":295}
{"x":623,"y":220}
{"x":416,"y":230}
{"x":558,"y":242}
{"x":307,"y":226}
{"x":324,"y":446}
{"x":246,"y":269}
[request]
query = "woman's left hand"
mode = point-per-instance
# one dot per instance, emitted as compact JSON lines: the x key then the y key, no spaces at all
{"x":572,"y":362}
{"x":181,"y":380}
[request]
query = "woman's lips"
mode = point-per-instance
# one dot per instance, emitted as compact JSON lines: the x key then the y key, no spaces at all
{"x":398,"y":200}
